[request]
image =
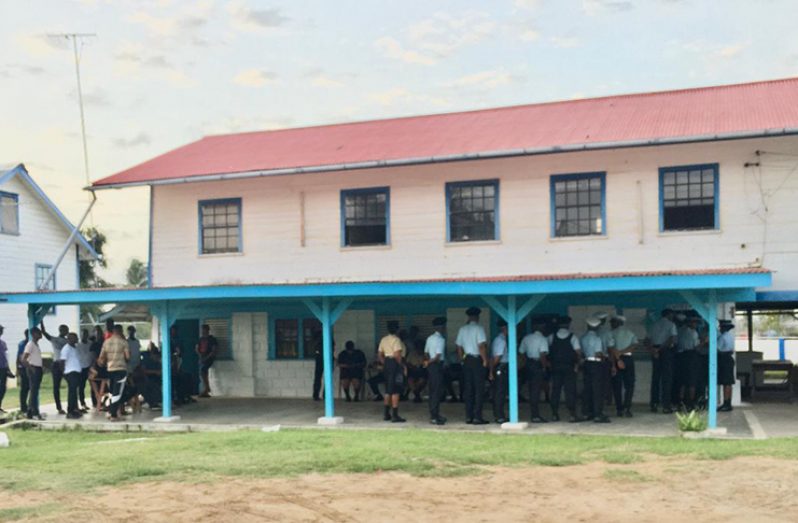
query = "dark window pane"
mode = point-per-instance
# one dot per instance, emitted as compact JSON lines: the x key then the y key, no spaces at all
{"x":690,"y":204}
{"x":365,"y":218}
{"x":471,"y":212}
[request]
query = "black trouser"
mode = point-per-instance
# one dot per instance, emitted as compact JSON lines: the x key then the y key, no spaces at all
{"x":662,"y":378}
{"x":435,"y":377}
{"x":58,"y":374}
{"x":73,"y":383}
{"x":473,"y":387}
{"x":500,"y":384}
{"x":3,"y":382}
{"x":84,"y":377}
{"x":623,"y":384}
{"x":534,"y":377}
{"x":24,"y":388}
{"x":35,"y":380}
{"x":318,"y":372}
{"x":117,"y":381}
{"x":563,"y":377}
{"x":595,"y":373}
{"x":454,"y":372}
{"x":374,"y":383}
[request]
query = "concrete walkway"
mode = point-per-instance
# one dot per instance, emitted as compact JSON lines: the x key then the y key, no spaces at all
{"x":224,"y":414}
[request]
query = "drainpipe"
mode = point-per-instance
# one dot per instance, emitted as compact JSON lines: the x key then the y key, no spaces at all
{"x":69,"y":242}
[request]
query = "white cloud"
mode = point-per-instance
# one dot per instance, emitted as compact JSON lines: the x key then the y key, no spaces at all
{"x":565,"y":42}
{"x":595,"y":7}
{"x":245,"y":18}
{"x":482,"y":79}
{"x":438,"y":37}
{"x":320,"y":78}
{"x":529,"y":35}
{"x":401,"y":96}
{"x":255,"y":77}
{"x":41,"y":44}
{"x":391,"y":48}
{"x":730,"y":51}
{"x":527,"y":4}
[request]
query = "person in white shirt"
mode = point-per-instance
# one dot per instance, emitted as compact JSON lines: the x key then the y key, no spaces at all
{"x":595,"y":372}
{"x":564,"y":355}
{"x":72,"y":368}
{"x":86,"y":360}
{"x":535,"y":347}
{"x":435,"y":354}
{"x":726,"y":376}
{"x":663,"y":337}
{"x":623,"y":383}
{"x":472,"y":349}
{"x":58,"y":343}
{"x":499,"y":368}
{"x":32,"y":359}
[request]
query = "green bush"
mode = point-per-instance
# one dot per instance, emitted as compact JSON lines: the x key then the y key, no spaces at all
{"x":693,"y":421}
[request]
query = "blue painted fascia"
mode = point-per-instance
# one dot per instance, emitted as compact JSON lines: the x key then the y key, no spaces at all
{"x":389,"y":289}
{"x":777,"y":296}
{"x":20,"y":171}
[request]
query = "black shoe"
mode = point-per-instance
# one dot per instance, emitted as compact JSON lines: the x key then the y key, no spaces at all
{"x":61,"y":411}
{"x":387,"y":417}
{"x":398,"y":419}
{"x":588,"y":418}
{"x":348,"y":399}
{"x":555,"y":417}
{"x":417,"y":399}
{"x":725,"y":408}
{"x":538,"y":419}
{"x":627,"y":413}
{"x":469,"y":422}
{"x":619,"y":413}
{"x":602,"y":419}
{"x":73,"y":415}
{"x":378,"y":398}
{"x":576,"y":419}
{"x":500,"y":420}
{"x":654,"y":409}
{"x":316,"y":398}
{"x":454,"y":400}
{"x":667,"y":410}
{"x":480,"y":421}
{"x":437,"y":421}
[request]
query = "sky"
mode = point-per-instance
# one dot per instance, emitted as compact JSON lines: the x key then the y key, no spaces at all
{"x":162,"y":73}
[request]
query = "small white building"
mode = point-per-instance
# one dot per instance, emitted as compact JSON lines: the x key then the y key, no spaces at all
{"x":33,"y":233}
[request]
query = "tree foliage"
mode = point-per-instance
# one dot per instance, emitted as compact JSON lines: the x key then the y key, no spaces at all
{"x":89,"y":279}
{"x":136,"y":274}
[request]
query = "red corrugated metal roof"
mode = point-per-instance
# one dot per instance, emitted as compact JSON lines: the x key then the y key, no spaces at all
{"x":709,"y":111}
{"x":470,"y":279}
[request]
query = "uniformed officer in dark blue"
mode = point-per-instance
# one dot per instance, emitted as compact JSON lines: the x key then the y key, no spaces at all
{"x":564,"y":355}
{"x":535,"y":347}
{"x":595,"y":375}
{"x":499,"y":369}
{"x":472,"y":349}
{"x":435,"y":354}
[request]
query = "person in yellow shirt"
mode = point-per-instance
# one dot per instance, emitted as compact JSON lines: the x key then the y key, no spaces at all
{"x":391,"y":352}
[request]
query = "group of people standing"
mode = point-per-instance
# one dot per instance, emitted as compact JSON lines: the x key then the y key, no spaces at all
{"x":554,"y":355}
{"x":114,"y":366}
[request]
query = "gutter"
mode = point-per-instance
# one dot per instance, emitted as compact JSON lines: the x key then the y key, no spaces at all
{"x":507,"y":153}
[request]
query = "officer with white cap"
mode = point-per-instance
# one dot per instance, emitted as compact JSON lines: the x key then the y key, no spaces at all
{"x":472,"y":349}
{"x":623,"y":383}
{"x":594,"y":372}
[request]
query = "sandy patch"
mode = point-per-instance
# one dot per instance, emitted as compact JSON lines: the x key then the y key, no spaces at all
{"x":657,"y":489}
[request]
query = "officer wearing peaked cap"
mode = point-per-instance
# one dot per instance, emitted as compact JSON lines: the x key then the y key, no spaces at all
{"x":564,"y":355}
{"x":435,"y":353}
{"x":499,"y":370}
{"x":594,"y":372}
{"x":472,"y":349}
{"x":623,"y":383}
{"x":535,"y":347}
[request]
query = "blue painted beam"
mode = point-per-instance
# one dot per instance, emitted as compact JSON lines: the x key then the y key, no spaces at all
{"x":166,"y":360}
{"x":497,"y":306}
{"x":340,"y":309}
{"x":512,"y":356}
{"x":327,"y":348}
{"x":696,"y":303}
{"x":712,"y":320}
{"x":529,"y":306}
{"x":389,"y":289}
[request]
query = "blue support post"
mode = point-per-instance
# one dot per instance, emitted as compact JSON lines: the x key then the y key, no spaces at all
{"x":327,"y":348}
{"x":712,"y":319}
{"x":166,"y":364}
{"x":782,"y":355}
{"x":512,"y":347}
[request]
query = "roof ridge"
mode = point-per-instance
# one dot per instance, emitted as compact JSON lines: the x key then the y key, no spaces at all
{"x":509,"y":107}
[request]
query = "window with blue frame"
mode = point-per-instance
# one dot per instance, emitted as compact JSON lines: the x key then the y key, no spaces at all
{"x":688,"y":197}
{"x":220,"y":226}
{"x":577,"y":204}
{"x":472,"y":211}
{"x":365,"y":217}
{"x":41,"y":272}
{"x":9,"y":213}
{"x":296,"y":338}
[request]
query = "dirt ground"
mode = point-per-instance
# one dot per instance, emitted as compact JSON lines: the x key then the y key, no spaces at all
{"x":656,"y":489}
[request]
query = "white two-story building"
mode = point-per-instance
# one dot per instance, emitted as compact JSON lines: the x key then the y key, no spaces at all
{"x":624,"y":203}
{"x":33,"y":235}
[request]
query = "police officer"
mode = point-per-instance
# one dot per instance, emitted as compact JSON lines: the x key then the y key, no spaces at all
{"x":535,"y":347}
{"x":687,"y":342}
{"x":726,"y":363}
{"x":595,"y":372}
{"x":564,"y":354}
{"x":605,"y":333}
{"x":623,"y":383}
{"x":391,"y":352}
{"x":663,"y":336}
{"x":472,"y":349}
{"x":435,"y":353}
{"x":499,"y":358}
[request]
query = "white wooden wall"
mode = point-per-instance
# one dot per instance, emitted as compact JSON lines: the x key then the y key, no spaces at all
{"x":41,"y":240}
{"x":272,"y":221}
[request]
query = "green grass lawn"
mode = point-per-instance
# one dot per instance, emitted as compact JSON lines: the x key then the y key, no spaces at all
{"x":79,"y":460}
{"x":11,"y":401}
